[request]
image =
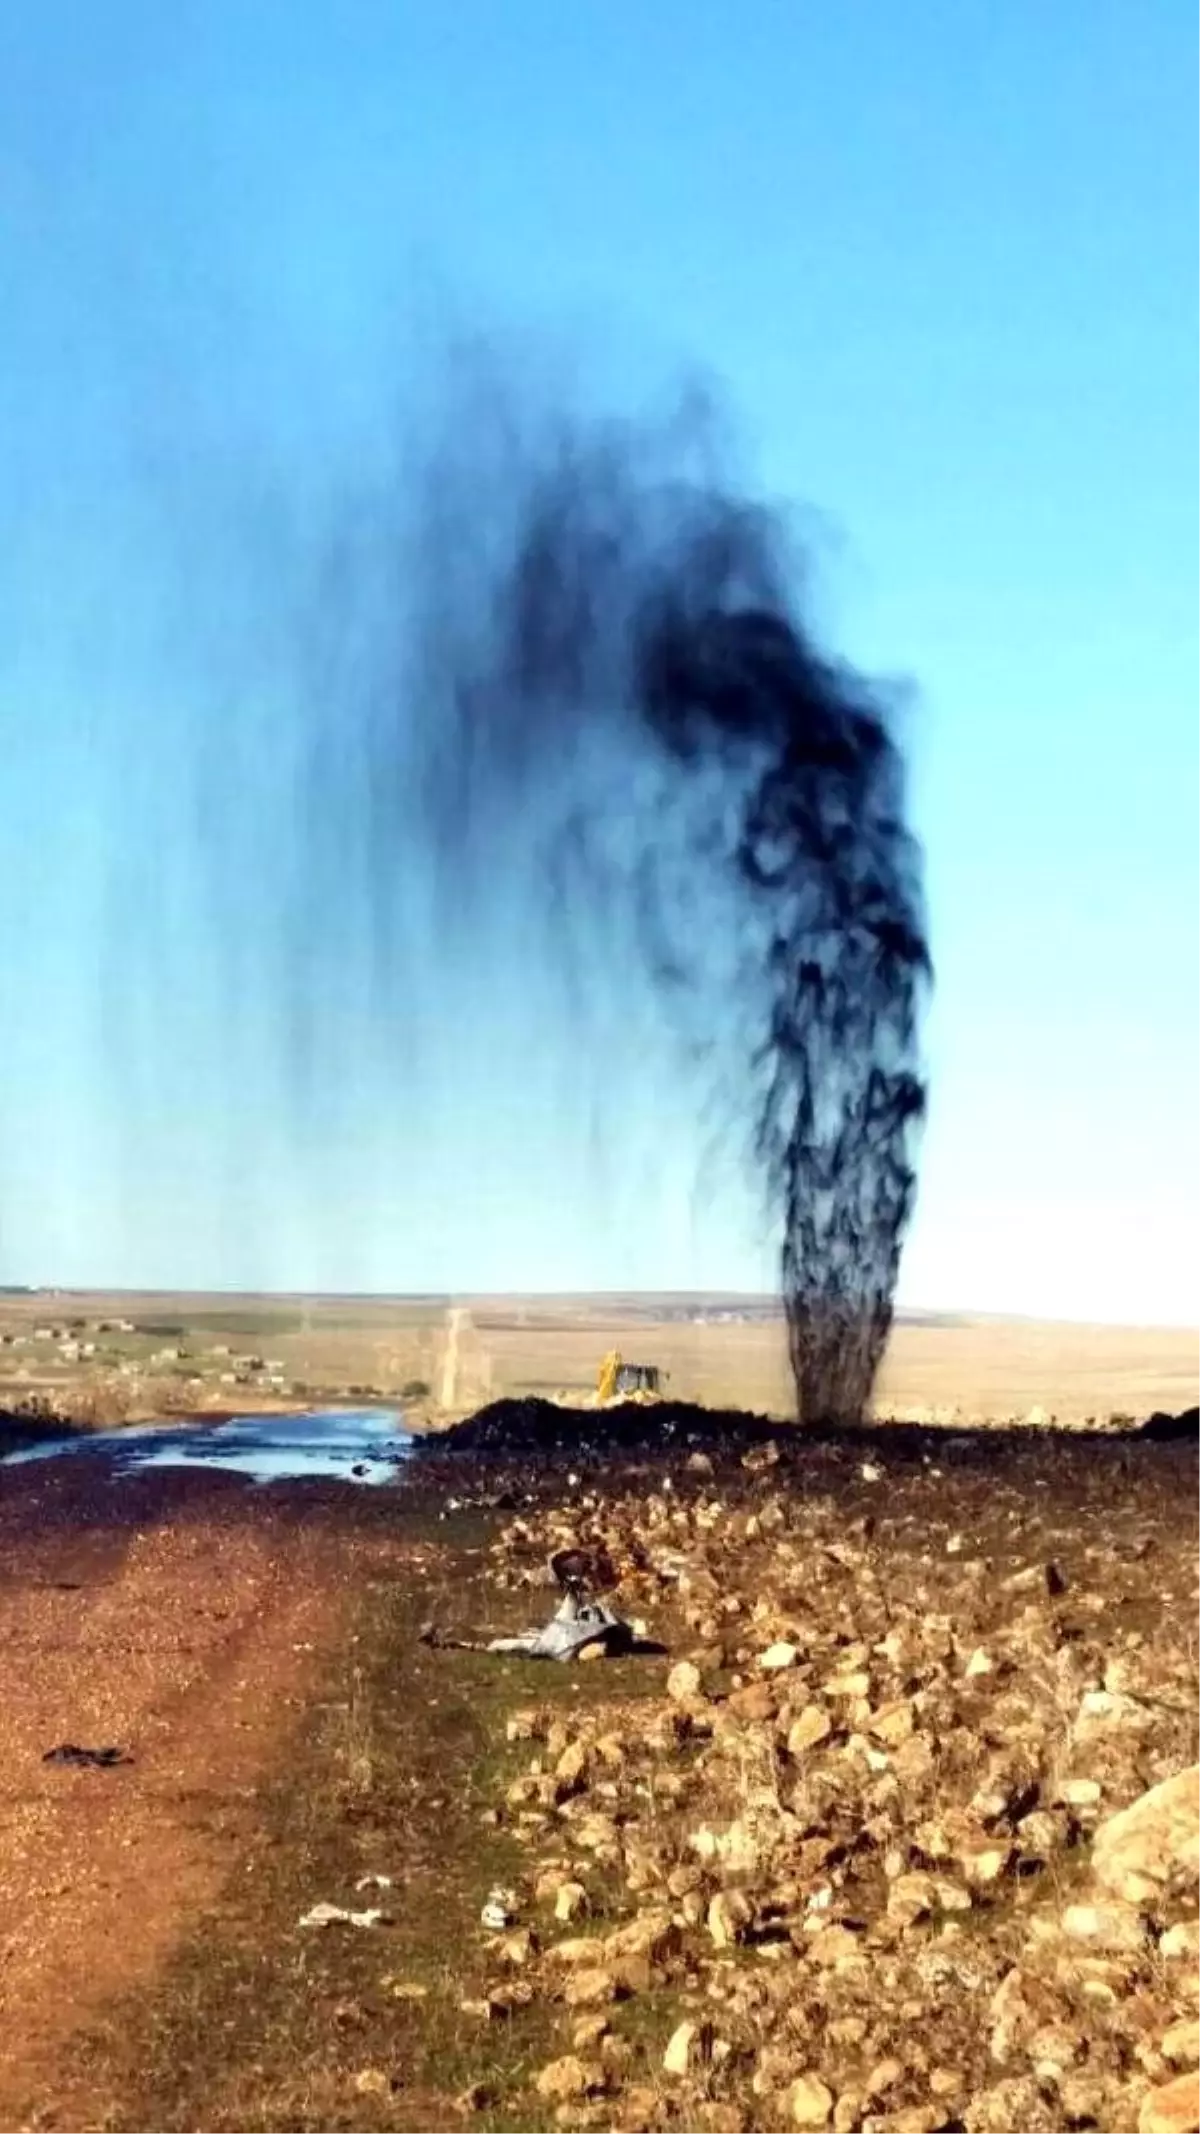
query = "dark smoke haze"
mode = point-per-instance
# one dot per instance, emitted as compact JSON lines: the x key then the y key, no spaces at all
{"x":621,"y":699}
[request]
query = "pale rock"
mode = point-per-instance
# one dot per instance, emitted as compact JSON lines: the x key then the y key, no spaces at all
{"x":610,"y":1749}
{"x":831,"y":1946}
{"x":1083,"y":2099}
{"x":808,"y":1730}
{"x":1182,"y":1940}
{"x":809,"y":2102}
{"x":1104,"y":1926}
{"x":1181,"y":2043}
{"x":597,"y":1834}
{"x":1016,"y":2103}
{"x":589,"y":1986}
{"x":729,"y":1914}
{"x":883,"y":2077}
{"x":589,"y":2032}
{"x":1039,"y":1578}
{"x":1039,"y":1835}
{"x":1052,"y":2050}
{"x":1103,"y":1712}
{"x":685,"y":2046}
{"x":980,"y":1663}
{"x":910,"y":1897}
{"x":855,"y":1683}
{"x":1080,"y":1792}
{"x":913,"y":1761}
{"x":372,"y":2082}
{"x":894,"y":1722}
{"x":570,"y":1769}
{"x":684,"y":1682}
{"x":568,"y":2077}
{"x":986,"y":1865}
{"x":581,"y":1949}
{"x":685,"y":1878}
{"x":1172,"y":2108}
{"x":1012,"y":2020}
{"x":777,"y":1656}
{"x":1136,"y":1851}
{"x":653,"y":1935}
{"x":570,"y":1900}
{"x":523,"y":1726}
{"x":756,"y":1702}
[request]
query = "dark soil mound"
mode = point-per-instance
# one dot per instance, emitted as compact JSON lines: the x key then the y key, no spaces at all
{"x":1168,"y":1428}
{"x":542,"y":1426}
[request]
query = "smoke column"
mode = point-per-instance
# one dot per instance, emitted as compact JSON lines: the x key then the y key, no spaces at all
{"x":621,"y":697}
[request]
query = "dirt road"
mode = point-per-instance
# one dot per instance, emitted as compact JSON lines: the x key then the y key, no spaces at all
{"x":178,"y":1617}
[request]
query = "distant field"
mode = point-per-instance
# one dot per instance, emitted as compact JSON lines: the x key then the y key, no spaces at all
{"x":153,"y":1351}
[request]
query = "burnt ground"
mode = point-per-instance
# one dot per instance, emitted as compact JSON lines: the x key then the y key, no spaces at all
{"x":256,"y":1651}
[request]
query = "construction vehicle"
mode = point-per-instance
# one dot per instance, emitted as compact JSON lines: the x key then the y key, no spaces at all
{"x":618,"y":1381}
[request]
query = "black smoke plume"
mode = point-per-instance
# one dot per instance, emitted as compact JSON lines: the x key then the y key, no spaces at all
{"x":611,"y":656}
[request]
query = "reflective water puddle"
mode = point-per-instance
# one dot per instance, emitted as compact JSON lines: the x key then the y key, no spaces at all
{"x":361,"y":1445}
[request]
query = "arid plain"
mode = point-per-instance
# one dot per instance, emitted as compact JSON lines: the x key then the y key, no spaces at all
{"x":111,"y":1355}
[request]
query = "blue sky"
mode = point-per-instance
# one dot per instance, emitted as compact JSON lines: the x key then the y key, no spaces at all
{"x":942,"y":259}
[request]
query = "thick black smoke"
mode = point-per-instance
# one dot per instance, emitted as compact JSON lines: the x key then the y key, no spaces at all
{"x":590,"y":608}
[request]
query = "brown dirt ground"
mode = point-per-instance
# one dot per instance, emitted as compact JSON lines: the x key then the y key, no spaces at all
{"x":179,"y":1617}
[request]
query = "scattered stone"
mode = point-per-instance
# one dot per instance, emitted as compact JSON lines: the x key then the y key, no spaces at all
{"x":589,"y":1986}
{"x":1080,"y":1792}
{"x":684,"y":1682}
{"x":729,"y":1914}
{"x":755,"y":1702}
{"x":840,"y":1826}
{"x":806,"y":1732}
{"x":1181,"y":2044}
{"x":372,"y":2082}
{"x":810,"y":2102}
{"x":568,"y":2077}
{"x":684,"y":2046}
{"x":569,"y":1901}
{"x":778,"y":1656}
{"x":1171,"y":2108}
{"x":1105,"y":1926}
{"x":1134,"y":1853}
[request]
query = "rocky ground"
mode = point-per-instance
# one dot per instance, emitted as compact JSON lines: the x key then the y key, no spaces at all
{"x":858,"y":1847}
{"x":869,"y":1856}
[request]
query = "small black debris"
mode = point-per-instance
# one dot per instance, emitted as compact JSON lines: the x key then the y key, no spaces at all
{"x":69,"y":1752}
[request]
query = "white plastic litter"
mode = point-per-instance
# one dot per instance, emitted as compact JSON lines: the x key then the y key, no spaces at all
{"x":328,"y":1915}
{"x":499,"y":1911}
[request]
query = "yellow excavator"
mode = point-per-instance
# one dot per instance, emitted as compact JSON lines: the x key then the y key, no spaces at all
{"x":620,"y":1381}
